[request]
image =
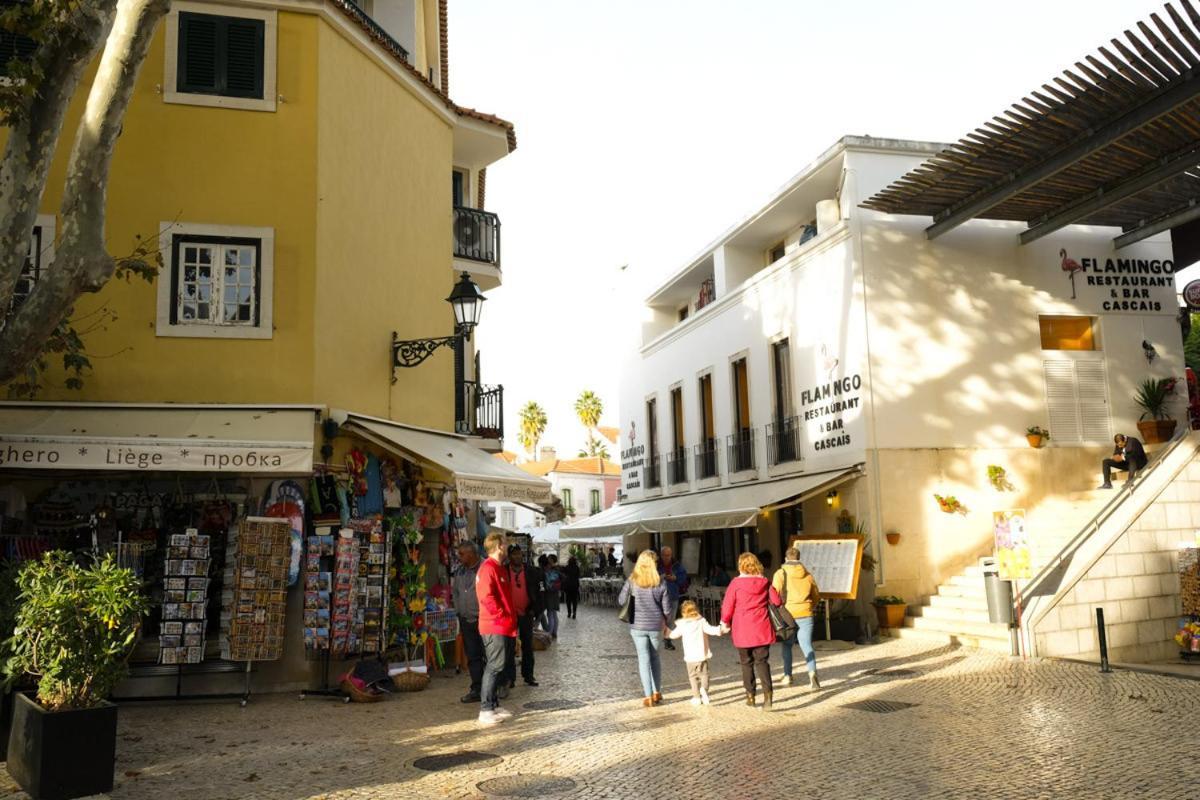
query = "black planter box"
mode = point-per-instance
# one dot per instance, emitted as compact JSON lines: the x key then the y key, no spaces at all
{"x":845,"y":628}
{"x":62,"y":754}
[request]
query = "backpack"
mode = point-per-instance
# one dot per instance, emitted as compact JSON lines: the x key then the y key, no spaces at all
{"x":554,"y":580}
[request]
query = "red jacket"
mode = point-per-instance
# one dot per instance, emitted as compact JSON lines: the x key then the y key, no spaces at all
{"x":744,"y":610}
{"x":493,"y":589}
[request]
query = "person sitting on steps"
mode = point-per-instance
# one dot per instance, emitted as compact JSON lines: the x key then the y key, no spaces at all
{"x":1127,"y":455}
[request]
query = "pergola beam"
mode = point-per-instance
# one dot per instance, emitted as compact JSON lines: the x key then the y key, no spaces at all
{"x":1101,"y":199}
{"x":1176,"y":218}
{"x":1153,"y":108}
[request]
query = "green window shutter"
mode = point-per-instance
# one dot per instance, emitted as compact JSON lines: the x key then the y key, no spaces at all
{"x":244,"y":57}
{"x":197,"y":57}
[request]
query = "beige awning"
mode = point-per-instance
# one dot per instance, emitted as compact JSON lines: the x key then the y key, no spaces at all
{"x":477,"y":475}
{"x":157,"y":438}
{"x":732,"y":507}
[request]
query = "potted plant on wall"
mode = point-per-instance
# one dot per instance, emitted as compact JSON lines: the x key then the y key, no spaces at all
{"x":75,"y":629}
{"x":1036,"y":435}
{"x":891,"y":610}
{"x":1152,"y":397}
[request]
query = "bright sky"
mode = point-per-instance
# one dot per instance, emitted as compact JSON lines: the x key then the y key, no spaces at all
{"x":647,"y":127}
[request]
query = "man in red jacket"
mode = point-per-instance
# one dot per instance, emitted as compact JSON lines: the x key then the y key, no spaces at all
{"x":497,"y":626}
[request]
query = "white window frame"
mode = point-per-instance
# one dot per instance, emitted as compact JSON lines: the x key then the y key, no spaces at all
{"x":270,"y":19}
{"x":46,"y":223}
{"x":266,"y":283}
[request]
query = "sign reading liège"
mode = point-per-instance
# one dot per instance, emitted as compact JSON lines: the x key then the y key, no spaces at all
{"x":28,"y":453}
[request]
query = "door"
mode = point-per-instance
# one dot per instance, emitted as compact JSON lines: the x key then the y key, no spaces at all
{"x":1077,"y":400}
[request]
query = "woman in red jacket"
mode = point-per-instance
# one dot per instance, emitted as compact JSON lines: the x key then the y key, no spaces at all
{"x":744,"y":611}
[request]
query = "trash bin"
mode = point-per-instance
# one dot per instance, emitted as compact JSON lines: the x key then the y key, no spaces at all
{"x":999,"y":595}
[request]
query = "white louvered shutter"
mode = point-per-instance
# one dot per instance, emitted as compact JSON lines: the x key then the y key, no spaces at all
{"x":1061,"y":402}
{"x":1091,"y":381}
{"x":1077,"y":401}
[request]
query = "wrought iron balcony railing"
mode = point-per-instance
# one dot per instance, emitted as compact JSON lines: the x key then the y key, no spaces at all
{"x":677,"y":471}
{"x":480,"y":410}
{"x":740,"y":447}
{"x":477,"y":235}
{"x":783,"y":440}
{"x":706,"y":459}
{"x":653,"y":472}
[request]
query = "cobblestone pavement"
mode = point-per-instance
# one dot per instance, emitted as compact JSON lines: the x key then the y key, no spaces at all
{"x":980,"y":725}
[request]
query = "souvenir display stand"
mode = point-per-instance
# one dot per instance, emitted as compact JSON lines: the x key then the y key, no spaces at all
{"x":257,"y":623}
{"x":1188,"y":634}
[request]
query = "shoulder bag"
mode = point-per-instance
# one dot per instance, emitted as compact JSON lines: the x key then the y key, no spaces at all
{"x":782,"y":621}
{"x":625,"y":614}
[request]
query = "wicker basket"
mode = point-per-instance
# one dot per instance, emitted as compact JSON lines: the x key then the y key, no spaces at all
{"x":409,"y":681}
{"x":357,"y":695}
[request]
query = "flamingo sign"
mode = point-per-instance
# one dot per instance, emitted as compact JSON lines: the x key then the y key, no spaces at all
{"x":1121,"y":285}
{"x":1070,"y":266}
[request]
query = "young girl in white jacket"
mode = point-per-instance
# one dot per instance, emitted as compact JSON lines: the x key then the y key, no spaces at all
{"x":695,"y":630}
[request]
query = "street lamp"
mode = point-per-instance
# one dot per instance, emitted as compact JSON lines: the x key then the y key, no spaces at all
{"x":467,"y":302}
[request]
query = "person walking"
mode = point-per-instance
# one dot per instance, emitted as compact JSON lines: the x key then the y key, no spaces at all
{"x":676,"y":577}
{"x":466,"y":605}
{"x":744,"y":611}
{"x":497,"y":626}
{"x":651,"y":612}
{"x":571,"y":577}
{"x":553,"y":583}
{"x":694,"y":629}
{"x":798,"y":590}
{"x":527,"y":605}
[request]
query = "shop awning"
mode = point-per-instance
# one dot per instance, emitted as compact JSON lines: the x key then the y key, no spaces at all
{"x":157,"y":438}
{"x":733,"y":507}
{"x":477,"y":475}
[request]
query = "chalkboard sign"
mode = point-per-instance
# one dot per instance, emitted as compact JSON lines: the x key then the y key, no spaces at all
{"x":834,"y":562}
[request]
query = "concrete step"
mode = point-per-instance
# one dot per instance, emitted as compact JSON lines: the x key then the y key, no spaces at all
{"x":968,"y":582}
{"x":960,"y":602}
{"x":951,"y":615}
{"x":971,"y":590}
{"x":983,"y":630}
{"x":967,"y":640}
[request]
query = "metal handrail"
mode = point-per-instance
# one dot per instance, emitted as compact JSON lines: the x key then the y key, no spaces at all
{"x":386,"y":39}
{"x":706,"y":458}
{"x":1102,"y":516}
{"x":476,"y":235}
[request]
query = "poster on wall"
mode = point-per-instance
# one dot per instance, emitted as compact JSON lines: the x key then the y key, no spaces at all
{"x":1013,"y":557}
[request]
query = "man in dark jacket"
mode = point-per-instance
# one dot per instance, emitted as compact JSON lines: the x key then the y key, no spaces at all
{"x":528,"y":602}
{"x":1127,"y":455}
{"x":467,"y":607}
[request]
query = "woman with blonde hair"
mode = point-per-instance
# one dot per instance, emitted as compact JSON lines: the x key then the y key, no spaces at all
{"x":744,"y":611}
{"x":651,"y":609}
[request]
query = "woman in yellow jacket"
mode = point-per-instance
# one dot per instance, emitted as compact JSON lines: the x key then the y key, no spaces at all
{"x":800,"y":596}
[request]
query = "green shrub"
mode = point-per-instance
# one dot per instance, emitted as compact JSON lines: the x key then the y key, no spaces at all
{"x":889,"y":600}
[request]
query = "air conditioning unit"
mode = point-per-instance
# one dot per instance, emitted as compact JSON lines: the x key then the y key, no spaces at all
{"x":468,"y":235}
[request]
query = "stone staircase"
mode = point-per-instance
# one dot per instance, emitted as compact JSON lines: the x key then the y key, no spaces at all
{"x":957,"y":613}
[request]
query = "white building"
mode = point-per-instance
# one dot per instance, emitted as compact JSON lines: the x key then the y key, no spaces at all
{"x":821,"y":357}
{"x":585,"y":486}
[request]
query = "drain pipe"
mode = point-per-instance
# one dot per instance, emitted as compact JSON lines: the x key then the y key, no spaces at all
{"x":1103,"y":641}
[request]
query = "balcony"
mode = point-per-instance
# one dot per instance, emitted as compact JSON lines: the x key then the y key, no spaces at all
{"x":653,"y":472}
{"x":740,"y":450}
{"x":677,"y":471}
{"x":783,"y":441}
{"x":477,"y":245}
{"x":706,"y":459}
{"x":479,"y":410}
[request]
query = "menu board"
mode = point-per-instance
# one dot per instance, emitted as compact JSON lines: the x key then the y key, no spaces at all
{"x":260,"y":589}
{"x":834,"y":562}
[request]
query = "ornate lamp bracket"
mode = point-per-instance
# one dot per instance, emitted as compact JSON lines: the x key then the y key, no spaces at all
{"x":411,"y":352}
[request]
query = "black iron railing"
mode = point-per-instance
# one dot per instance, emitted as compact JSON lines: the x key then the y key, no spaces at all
{"x":376,"y":30}
{"x":481,"y":410}
{"x":706,"y":459}
{"x":783,"y":440}
{"x":677,"y":466}
{"x":653,"y":472}
{"x":477,"y":235}
{"x":740,"y":448}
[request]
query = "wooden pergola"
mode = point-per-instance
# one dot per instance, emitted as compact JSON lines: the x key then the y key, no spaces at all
{"x":1113,"y":141}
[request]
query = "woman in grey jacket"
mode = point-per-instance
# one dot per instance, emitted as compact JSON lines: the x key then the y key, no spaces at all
{"x":651,"y":611}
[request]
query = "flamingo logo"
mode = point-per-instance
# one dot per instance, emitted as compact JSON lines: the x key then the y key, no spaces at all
{"x":1070,"y":266}
{"x":632,"y":433}
{"x":828,"y":361}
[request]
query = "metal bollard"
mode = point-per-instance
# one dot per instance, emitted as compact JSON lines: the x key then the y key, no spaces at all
{"x":1103,"y":641}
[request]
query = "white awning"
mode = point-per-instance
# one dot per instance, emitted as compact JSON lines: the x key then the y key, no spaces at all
{"x":477,"y":475}
{"x":732,"y":507}
{"x":157,"y":438}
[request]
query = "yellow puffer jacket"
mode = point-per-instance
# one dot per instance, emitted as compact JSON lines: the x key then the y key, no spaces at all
{"x":797,"y":588}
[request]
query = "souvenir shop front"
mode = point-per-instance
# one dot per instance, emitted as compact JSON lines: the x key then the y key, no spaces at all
{"x":267,"y":568}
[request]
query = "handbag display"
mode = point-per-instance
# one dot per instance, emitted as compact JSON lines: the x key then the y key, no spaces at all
{"x":625,"y":614}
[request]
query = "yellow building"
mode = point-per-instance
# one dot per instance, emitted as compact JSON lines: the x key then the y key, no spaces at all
{"x":316,"y":196}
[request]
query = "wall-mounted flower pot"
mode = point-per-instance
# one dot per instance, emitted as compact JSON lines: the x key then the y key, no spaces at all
{"x":1156,"y":431}
{"x":1034,"y":440}
{"x":891,"y":616}
{"x":59,"y":755}
{"x":892,"y":538}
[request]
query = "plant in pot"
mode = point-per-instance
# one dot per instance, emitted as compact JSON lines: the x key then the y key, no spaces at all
{"x":998,"y":478}
{"x":74,"y":632}
{"x":1152,"y":397}
{"x":8,"y":619}
{"x":1036,"y":435}
{"x":891,"y":610}
{"x":950,"y":504}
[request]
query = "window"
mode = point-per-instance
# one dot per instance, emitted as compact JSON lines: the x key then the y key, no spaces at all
{"x":653,"y":477}
{"x":220,"y":282}
{"x":1068,"y":333}
{"x":41,"y":253}
{"x":13,"y":46}
{"x":683,"y":313}
{"x":775,"y":253}
{"x":1077,"y":400}
{"x":508,"y":518}
{"x":458,"y":188}
{"x":568,"y":502}
{"x":781,"y":357}
{"x":678,"y":459}
{"x":220,"y":55}
{"x":741,"y":445}
{"x":706,"y":451}
{"x":783,"y":434}
{"x":594,"y":495}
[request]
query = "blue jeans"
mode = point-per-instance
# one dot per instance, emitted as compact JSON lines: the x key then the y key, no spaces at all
{"x":498,"y":650}
{"x":803,"y":637}
{"x":649,"y":665}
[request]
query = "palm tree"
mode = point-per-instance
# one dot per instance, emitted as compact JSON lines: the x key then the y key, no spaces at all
{"x":588,"y":408}
{"x":533,"y":425}
{"x":596,"y":448}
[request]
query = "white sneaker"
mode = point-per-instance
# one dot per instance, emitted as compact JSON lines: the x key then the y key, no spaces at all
{"x":704,"y":697}
{"x":487,"y":718}
{"x":696,"y":701}
{"x":786,"y":680}
{"x":502,"y":713}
